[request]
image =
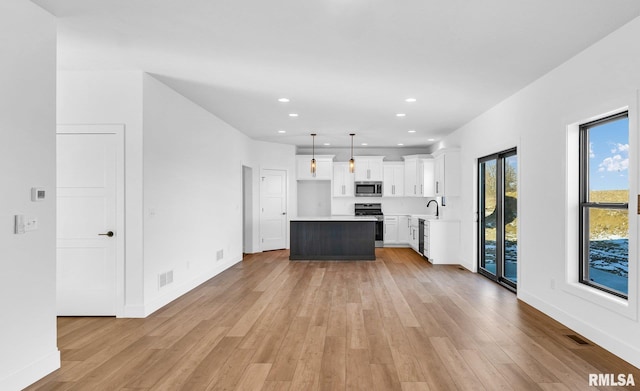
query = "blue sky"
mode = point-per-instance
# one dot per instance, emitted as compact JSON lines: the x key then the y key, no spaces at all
{"x":609,"y":156}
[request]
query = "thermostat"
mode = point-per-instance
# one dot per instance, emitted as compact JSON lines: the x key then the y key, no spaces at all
{"x":37,"y":194}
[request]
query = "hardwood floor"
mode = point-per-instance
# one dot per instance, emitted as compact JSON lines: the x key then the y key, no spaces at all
{"x":397,"y":323}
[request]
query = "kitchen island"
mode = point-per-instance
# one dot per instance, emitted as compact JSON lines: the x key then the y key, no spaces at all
{"x":337,"y":238}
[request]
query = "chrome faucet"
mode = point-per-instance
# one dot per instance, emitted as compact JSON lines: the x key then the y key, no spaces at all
{"x":429,"y":203}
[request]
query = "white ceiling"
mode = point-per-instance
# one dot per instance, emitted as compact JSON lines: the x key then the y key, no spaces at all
{"x":346,"y":65}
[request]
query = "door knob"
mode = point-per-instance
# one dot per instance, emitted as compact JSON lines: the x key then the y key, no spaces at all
{"x":109,"y":234}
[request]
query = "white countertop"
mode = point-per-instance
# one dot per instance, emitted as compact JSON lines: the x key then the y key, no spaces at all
{"x":426,"y":217}
{"x":423,"y":216}
{"x":335,"y":218}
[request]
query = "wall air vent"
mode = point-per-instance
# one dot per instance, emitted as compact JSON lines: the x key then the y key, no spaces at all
{"x":165,"y":279}
{"x":577,"y":339}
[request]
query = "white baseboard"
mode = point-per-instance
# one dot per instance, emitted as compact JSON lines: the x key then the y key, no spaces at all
{"x":185,"y":287}
{"x":133,"y":311}
{"x":31,"y":373}
{"x":606,"y":340}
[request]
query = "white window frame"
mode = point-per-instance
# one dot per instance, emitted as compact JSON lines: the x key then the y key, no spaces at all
{"x":571,"y":284}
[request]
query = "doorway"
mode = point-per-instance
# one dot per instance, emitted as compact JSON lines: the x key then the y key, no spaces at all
{"x":247,"y":210}
{"x":273,"y":209}
{"x":90,"y":220}
{"x":498,"y":217}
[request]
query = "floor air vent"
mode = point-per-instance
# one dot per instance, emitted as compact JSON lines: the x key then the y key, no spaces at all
{"x":577,"y":339}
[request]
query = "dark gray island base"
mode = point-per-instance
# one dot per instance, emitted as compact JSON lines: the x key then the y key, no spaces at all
{"x":332,"y":238}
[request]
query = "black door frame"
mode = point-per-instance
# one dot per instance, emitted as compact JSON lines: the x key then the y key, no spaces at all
{"x":500,"y":234}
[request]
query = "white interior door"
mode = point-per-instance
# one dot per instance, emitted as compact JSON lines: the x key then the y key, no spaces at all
{"x":273,"y":204}
{"x":87,"y":228}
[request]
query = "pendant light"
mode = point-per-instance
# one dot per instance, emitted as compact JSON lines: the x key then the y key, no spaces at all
{"x":313,"y":158}
{"x":352,"y":163}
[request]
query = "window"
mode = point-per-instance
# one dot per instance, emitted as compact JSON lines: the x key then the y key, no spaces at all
{"x":604,"y":197}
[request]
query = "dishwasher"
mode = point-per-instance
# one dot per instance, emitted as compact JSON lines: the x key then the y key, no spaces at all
{"x":421,"y":236}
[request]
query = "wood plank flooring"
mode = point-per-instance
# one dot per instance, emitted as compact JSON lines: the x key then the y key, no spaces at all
{"x":397,"y":323}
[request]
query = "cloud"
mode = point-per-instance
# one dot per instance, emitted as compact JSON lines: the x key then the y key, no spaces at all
{"x":591,"y":153}
{"x":614,"y":163}
{"x":620,"y":148}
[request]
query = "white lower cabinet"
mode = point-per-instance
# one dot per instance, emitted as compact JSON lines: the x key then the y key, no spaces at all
{"x":442,"y":241}
{"x":396,"y":230}
{"x":441,"y":237}
{"x":404,"y":223}
{"x":414,"y":234}
{"x":390,"y":230}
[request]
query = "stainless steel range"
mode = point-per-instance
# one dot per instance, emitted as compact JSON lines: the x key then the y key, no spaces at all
{"x":373,"y":210}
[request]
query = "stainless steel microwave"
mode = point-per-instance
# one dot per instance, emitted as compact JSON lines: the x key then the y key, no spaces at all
{"x":368,"y":189}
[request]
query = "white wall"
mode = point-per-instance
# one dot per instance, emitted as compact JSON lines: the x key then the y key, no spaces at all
{"x":604,"y":77}
{"x":344,"y":154}
{"x":247,"y":209}
{"x":390,"y":206}
{"x":183,"y":180}
{"x":108,"y":97}
{"x":192,"y":193}
{"x":314,"y":198}
{"x":27,"y":156}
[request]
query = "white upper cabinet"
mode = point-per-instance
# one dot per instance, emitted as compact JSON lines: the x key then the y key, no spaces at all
{"x":418,"y":176}
{"x":342,"y":180}
{"x":393,"y":179}
{"x":427,"y":175}
{"x":447,"y":172}
{"x":368,"y":168}
{"x":410,"y":177}
{"x":324,"y":168}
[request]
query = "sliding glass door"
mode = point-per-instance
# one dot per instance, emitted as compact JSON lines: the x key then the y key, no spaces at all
{"x":498,"y":217}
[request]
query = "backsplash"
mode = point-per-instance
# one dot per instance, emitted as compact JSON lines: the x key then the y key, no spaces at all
{"x":390,"y":206}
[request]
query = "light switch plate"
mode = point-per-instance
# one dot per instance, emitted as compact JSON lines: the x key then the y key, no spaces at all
{"x":30,"y":224}
{"x":25,"y":224}
{"x":19,"y":226}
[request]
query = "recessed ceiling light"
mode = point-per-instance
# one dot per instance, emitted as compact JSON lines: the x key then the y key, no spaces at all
{"x":431,"y":139}
{"x":327,"y":144}
{"x":401,"y":115}
{"x":411,"y":131}
{"x":284,"y":100}
{"x":293,"y":115}
{"x":282,"y":131}
{"x":365,"y":144}
{"x":410,"y":100}
{"x":400,"y":144}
